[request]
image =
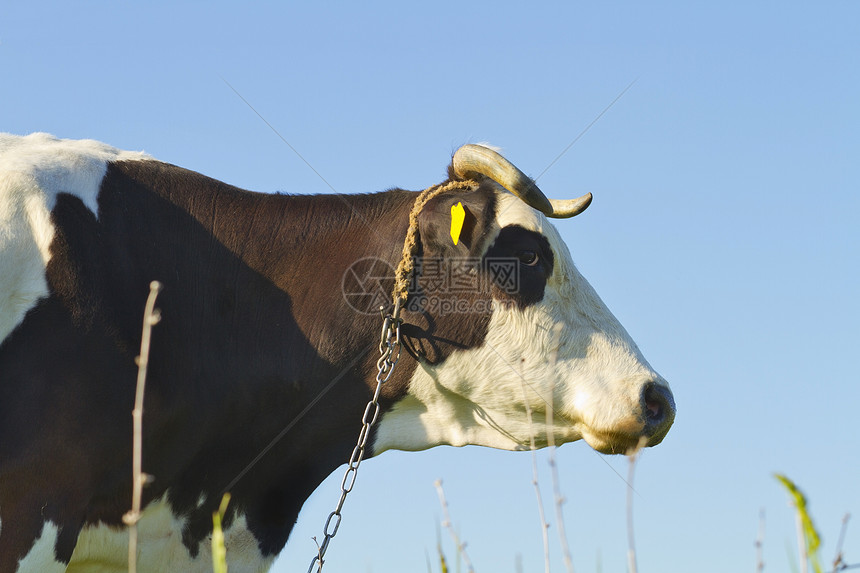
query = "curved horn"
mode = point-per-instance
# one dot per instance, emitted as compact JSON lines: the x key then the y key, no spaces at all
{"x":566,"y":208}
{"x":476,"y":160}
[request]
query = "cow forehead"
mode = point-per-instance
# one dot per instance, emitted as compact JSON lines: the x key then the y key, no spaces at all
{"x":511,"y":210}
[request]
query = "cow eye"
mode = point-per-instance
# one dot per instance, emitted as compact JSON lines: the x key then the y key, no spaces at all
{"x":528,"y":258}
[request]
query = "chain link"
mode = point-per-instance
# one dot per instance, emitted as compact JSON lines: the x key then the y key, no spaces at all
{"x":389,"y":349}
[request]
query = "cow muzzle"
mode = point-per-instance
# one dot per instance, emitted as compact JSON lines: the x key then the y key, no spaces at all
{"x":645,"y":427}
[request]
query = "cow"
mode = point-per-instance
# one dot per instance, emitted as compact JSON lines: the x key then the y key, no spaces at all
{"x":266,"y":354}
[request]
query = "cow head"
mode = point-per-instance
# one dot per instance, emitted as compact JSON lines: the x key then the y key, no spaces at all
{"x":513,"y":344}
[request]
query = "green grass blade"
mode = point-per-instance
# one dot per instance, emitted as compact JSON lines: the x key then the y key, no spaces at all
{"x":811,"y":539}
{"x":219,"y":551}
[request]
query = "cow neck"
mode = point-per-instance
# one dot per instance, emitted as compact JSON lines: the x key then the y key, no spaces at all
{"x":389,"y":349}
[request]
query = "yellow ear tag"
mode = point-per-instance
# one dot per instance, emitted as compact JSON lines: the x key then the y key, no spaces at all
{"x":458,"y":215}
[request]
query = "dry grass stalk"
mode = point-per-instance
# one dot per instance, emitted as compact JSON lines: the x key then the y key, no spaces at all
{"x":151,"y":317}
{"x":839,"y":561}
{"x":447,"y":524}
{"x":535,"y":482}
{"x":759,"y":544}
{"x":632,"y":457}
{"x":550,"y":440}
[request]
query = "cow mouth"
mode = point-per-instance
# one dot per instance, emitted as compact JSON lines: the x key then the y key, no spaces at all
{"x":607,"y":442}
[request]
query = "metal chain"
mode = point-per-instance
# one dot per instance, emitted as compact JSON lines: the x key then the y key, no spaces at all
{"x":389,"y":350}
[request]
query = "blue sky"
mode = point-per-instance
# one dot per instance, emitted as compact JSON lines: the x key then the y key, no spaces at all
{"x":723,"y":232}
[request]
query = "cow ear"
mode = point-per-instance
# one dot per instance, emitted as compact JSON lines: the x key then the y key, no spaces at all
{"x":464,"y":216}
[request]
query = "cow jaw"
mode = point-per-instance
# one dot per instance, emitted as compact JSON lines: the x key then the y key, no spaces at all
{"x":532,"y":383}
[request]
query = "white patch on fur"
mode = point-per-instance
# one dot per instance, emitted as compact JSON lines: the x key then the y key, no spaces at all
{"x":105,"y":549}
{"x":567,"y":351}
{"x":40,"y":558}
{"x":33,"y":170}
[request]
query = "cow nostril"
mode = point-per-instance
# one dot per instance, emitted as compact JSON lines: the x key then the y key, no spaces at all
{"x":658,"y":407}
{"x":654,"y":409}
